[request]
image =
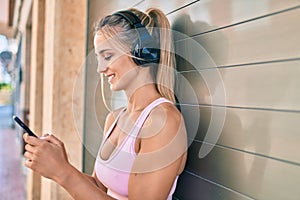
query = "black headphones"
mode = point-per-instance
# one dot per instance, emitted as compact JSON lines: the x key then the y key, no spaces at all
{"x":146,"y":49}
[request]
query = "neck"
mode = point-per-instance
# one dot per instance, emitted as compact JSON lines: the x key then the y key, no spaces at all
{"x":142,"y":90}
{"x":142,"y":97}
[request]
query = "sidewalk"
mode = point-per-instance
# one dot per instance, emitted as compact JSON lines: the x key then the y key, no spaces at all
{"x":12,"y":180}
{"x":5,"y":116}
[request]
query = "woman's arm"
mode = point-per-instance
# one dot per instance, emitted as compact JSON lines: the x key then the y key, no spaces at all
{"x":161,"y":156}
{"x":80,"y":187}
{"x":96,"y":181}
{"x":47,"y":157}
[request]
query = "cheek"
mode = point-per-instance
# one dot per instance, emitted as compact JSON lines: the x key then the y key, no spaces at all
{"x":125,"y":79}
{"x":124,"y":66}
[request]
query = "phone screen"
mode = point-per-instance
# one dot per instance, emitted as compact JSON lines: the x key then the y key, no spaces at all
{"x":21,"y":123}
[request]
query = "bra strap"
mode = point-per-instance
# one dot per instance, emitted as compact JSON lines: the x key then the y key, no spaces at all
{"x":143,"y":116}
{"x":108,"y":132}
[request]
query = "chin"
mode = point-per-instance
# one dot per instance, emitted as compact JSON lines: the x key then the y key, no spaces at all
{"x":119,"y":85}
{"x":115,"y":88}
{"x":112,"y":88}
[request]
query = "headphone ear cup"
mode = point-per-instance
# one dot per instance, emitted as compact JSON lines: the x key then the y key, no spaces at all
{"x":135,"y":53}
{"x":143,"y":55}
{"x":146,"y":49}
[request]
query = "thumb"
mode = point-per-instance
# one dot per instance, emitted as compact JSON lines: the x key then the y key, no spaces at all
{"x":52,"y":139}
{"x":44,"y":136}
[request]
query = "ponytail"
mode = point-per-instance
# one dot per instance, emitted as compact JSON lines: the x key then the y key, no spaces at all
{"x":159,"y":27}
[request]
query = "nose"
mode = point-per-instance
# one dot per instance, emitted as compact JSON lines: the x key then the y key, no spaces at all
{"x":101,"y":67}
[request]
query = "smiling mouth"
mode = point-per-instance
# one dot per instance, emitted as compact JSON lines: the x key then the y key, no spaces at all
{"x":110,"y":77}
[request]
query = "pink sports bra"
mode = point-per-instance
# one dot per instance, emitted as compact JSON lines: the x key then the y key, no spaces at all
{"x":115,"y":171}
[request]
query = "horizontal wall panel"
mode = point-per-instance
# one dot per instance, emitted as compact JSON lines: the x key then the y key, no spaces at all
{"x":255,"y":176}
{"x":190,"y":187}
{"x":269,"y":133}
{"x":165,"y":6}
{"x":207,"y":15}
{"x":272,"y":85}
{"x":267,"y":39}
{"x":99,"y":9}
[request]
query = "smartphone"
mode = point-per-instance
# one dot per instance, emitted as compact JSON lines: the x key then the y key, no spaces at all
{"x":21,"y":123}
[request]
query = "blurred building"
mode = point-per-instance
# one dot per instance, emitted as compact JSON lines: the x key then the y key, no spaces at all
{"x":238,"y":68}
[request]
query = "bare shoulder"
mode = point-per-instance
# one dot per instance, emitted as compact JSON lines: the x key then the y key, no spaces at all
{"x":167,"y":115}
{"x":163,"y":140}
{"x":164,"y":123}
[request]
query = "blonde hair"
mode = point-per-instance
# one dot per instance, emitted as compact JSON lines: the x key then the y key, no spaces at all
{"x":159,"y":28}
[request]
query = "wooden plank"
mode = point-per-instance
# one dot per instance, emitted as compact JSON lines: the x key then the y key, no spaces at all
{"x":271,"y":38}
{"x":252,"y":175}
{"x":269,"y":133}
{"x":272,"y":86}
{"x":165,"y":6}
{"x":208,"y":15}
{"x":190,"y":187}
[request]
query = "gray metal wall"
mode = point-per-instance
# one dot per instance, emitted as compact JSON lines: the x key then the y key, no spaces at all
{"x":239,"y":90}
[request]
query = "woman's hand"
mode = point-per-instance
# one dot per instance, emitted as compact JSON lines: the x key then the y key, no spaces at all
{"x":47,"y":156}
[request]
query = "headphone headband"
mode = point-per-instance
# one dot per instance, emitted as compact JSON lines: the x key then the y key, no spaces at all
{"x":130,"y":17}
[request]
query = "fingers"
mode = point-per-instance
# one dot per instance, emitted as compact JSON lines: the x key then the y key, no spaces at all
{"x":32,"y":151}
{"x":29,"y":148}
{"x":28,"y":155}
{"x":36,"y":141}
{"x":28,"y":163}
{"x":29,"y":159}
{"x":31,"y":140}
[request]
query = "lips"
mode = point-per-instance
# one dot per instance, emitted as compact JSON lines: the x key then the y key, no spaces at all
{"x":110,"y":77}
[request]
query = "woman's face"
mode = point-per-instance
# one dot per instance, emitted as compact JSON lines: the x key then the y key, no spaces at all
{"x":116,"y":65}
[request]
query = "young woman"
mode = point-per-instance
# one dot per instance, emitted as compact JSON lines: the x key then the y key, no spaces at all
{"x":144,"y":145}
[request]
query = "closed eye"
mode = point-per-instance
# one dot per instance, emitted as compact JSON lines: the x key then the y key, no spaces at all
{"x":108,"y":58}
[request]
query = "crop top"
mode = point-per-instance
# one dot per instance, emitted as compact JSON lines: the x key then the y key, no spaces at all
{"x":115,"y":171}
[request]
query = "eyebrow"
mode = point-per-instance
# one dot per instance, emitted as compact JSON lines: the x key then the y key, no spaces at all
{"x":103,"y":50}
